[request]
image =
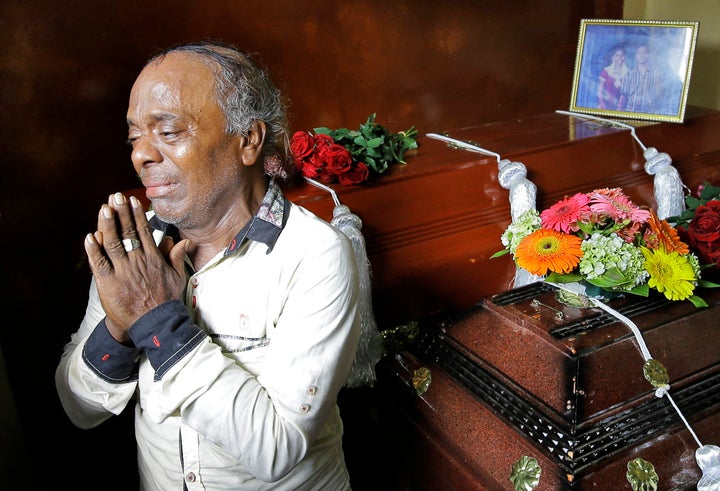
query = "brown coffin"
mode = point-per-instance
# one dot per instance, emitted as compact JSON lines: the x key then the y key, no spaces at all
{"x":512,"y":377}
{"x":432,"y":225}
{"x":509,"y":379}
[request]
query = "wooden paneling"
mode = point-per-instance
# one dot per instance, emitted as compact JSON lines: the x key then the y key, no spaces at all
{"x":432,"y":225}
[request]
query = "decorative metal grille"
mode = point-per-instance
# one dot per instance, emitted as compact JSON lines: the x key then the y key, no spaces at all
{"x":573,"y":447}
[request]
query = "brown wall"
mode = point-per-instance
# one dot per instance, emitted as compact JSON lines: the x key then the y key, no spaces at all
{"x":67,"y":68}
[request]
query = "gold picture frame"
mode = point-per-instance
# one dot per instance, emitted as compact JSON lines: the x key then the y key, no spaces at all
{"x":634,"y":69}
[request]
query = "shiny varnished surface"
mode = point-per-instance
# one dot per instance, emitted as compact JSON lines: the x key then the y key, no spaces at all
{"x":432,"y":225}
{"x":506,"y":384}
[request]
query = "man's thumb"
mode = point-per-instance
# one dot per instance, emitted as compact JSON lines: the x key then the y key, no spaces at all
{"x":177,"y":255}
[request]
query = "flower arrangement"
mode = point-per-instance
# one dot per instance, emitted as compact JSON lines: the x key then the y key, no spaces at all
{"x":350,"y":156}
{"x":699,"y":225}
{"x":603,"y":240}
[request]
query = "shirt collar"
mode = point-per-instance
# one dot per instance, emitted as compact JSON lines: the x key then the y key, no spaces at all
{"x":264,"y":227}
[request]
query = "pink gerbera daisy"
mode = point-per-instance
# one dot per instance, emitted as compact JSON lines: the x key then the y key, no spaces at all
{"x":564,"y":215}
{"x":614,"y":204}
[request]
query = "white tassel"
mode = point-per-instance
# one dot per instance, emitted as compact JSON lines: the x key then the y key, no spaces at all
{"x":370,"y":347}
{"x":708,"y":459}
{"x":668,"y":186}
{"x":513,"y":176}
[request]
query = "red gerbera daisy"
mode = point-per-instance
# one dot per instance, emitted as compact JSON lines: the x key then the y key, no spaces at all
{"x":564,"y":215}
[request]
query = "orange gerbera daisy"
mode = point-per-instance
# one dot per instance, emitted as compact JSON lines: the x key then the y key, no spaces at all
{"x":548,"y":250}
{"x":661,"y":233}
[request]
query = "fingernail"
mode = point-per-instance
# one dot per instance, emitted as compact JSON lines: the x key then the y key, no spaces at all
{"x":119,"y":198}
{"x":134,"y":202}
{"x":106,"y":211}
{"x":90,"y":239}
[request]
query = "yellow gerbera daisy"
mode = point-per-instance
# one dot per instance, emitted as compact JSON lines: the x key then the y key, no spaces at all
{"x":670,"y":273}
{"x":548,"y":250}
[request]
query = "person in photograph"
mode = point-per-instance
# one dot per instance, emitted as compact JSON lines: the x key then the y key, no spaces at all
{"x":610,"y":81}
{"x":642,"y":88}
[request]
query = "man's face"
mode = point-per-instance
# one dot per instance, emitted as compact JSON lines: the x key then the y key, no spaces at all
{"x":188,"y":165}
{"x":642,"y":54}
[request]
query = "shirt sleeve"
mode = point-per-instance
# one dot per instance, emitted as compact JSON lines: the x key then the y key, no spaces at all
{"x":89,"y":395}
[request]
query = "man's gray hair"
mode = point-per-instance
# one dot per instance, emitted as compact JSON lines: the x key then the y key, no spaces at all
{"x":245,"y":94}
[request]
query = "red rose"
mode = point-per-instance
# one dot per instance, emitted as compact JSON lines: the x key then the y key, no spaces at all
{"x":337,"y":158}
{"x":302,"y":144}
{"x":312,"y":167}
{"x":325,"y":175}
{"x":704,"y":232}
{"x":357,"y":174}
{"x":322,"y":140}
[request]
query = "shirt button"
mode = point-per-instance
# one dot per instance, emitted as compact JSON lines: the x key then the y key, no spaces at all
{"x":311,"y":390}
{"x":305,"y":408}
{"x":190,"y":477}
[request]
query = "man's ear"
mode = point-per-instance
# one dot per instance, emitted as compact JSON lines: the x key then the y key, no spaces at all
{"x":252,"y":144}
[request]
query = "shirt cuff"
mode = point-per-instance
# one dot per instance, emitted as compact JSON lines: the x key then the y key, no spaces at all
{"x":112,"y":361}
{"x":166,"y":334}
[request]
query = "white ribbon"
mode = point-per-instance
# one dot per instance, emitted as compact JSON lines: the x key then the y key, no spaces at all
{"x":706,"y":456}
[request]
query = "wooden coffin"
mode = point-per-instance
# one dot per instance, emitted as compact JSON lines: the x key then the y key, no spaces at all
{"x":509,"y":377}
{"x":432,"y":225}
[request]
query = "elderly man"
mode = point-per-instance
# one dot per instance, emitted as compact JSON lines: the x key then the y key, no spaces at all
{"x":230,"y":317}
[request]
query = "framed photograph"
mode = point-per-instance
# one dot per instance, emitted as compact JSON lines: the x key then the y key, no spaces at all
{"x":634,"y":69}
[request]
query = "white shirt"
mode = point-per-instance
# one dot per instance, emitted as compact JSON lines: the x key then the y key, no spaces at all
{"x":235,"y":389}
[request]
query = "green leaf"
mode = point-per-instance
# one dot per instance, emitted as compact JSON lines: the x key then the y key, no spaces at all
{"x":611,"y":278}
{"x":563,"y":278}
{"x":360,"y":141}
{"x":710,"y":192}
{"x":376,"y":142}
{"x":642,"y":290}
{"x":586,"y":228}
{"x":693,"y":202}
{"x":500,"y":253}
{"x":697,"y":301}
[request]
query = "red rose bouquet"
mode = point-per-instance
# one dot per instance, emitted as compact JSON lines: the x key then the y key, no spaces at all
{"x":350,"y":156}
{"x":699,"y":225}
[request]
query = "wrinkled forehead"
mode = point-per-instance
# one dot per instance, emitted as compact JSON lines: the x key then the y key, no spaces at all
{"x":175,"y":80}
